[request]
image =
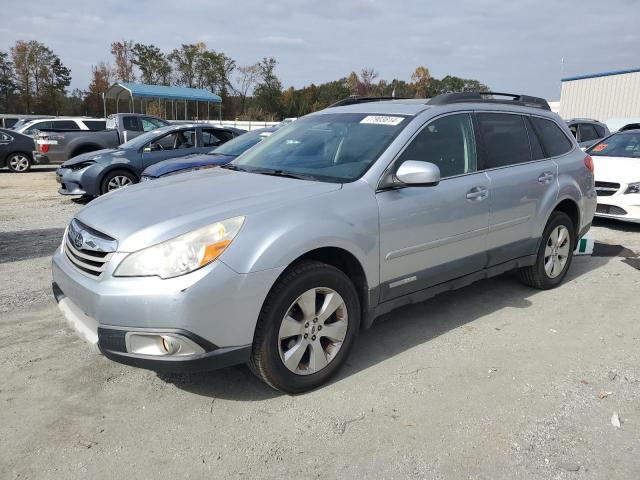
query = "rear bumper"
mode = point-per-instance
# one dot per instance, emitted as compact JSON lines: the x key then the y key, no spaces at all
{"x":40,"y":158}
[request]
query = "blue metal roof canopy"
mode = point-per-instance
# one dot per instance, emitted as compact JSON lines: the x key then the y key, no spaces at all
{"x":132,"y":91}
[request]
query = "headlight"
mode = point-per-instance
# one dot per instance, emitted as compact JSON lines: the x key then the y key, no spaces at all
{"x":80,"y":166}
{"x":182,"y":254}
{"x":633,"y":188}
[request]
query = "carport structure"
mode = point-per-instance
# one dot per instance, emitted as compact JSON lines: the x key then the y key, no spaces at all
{"x":132,"y":92}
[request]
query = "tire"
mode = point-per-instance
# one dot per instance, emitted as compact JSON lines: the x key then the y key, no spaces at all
{"x":19,"y":162}
{"x":121,"y":177}
{"x":551,"y":253}
{"x":285,"y":331}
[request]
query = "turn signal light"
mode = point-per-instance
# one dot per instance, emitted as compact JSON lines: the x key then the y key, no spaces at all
{"x":588,"y":162}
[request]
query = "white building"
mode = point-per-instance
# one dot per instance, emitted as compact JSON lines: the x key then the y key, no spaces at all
{"x":601,"y":96}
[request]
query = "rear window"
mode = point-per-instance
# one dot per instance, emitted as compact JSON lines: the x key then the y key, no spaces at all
{"x":587,"y":132}
{"x":505,"y":139}
{"x":65,"y":125}
{"x":95,"y":125}
{"x":554,"y":141}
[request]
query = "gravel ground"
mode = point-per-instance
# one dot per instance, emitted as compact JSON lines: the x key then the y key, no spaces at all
{"x":495,"y":381}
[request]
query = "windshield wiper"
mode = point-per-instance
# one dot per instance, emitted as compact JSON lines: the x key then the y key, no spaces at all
{"x":286,"y":174}
{"x":231,"y":166}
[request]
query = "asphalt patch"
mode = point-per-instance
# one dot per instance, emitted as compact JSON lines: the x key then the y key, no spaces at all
{"x":26,"y":244}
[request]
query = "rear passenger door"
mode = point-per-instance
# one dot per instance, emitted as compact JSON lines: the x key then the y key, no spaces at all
{"x":522,"y":181}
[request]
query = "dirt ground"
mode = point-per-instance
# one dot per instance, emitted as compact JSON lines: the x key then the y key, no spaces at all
{"x":495,"y":381}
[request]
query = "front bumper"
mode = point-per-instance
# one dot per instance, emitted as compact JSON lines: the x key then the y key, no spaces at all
{"x":620,"y":206}
{"x":215,"y":306}
{"x":70,"y":182}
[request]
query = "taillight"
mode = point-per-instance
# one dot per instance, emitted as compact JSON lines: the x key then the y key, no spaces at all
{"x":588,"y":162}
{"x":44,"y":148}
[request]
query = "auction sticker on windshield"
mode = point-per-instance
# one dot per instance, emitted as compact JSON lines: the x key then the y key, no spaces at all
{"x":381,"y":120}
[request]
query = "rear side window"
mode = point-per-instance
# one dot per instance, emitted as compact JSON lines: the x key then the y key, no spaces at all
{"x":65,"y":125}
{"x":587,"y":132}
{"x":131,"y":124}
{"x":505,"y":139}
{"x":447,"y":142}
{"x":536,"y":148}
{"x":37,"y":126}
{"x":95,"y":125}
{"x":554,"y":141}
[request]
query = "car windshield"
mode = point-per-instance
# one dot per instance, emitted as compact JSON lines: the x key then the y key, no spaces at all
{"x":140,"y":141}
{"x":618,"y":145}
{"x":332,"y":147}
{"x":240,"y":144}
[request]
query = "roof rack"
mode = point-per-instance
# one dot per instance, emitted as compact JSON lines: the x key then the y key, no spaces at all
{"x":465,"y":97}
{"x":353,"y":99}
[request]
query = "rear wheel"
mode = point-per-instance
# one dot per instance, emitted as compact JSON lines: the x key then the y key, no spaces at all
{"x":116,"y":180}
{"x":306,"y":328}
{"x":19,"y":162}
{"x":554,"y":254}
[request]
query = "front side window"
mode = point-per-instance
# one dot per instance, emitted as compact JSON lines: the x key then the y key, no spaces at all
{"x":587,"y":132}
{"x":618,"y":145}
{"x":181,"y":139}
{"x":505,"y":139}
{"x":447,"y":142}
{"x":331,"y":147}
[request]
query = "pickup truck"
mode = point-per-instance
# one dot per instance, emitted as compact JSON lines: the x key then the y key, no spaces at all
{"x":59,"y":145}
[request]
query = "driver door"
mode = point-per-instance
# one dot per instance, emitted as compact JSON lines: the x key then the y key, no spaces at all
{"x":433,"y":234}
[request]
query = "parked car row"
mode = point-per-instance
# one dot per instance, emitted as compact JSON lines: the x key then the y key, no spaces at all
{"x":281,"y":256}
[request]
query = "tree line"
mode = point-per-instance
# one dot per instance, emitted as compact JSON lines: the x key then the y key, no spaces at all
{"x":33,"y":79}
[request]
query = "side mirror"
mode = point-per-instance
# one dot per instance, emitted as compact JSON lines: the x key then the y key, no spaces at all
{"x":417,"y":173}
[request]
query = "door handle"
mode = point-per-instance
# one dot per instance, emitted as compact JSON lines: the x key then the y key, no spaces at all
{"x":477,"y":194}
{"x":546,"y":177}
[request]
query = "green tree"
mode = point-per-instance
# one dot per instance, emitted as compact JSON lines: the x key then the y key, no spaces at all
{"x":7,"y":82}
{"x":268,"y":93}
{"x":185,"y":61}
{"x":154,"y":67}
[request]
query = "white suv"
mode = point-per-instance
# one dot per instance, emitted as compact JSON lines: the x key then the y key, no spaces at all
{"x":65,"y":123}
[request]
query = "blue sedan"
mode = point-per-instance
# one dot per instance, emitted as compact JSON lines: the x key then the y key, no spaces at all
{"x":216,"y":157}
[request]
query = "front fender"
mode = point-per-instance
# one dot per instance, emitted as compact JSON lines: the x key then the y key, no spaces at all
{"x":345,"y":219}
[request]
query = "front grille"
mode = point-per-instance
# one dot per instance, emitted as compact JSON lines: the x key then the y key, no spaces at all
{"x":606,"y":189}
{"x":90,"y":261}
{"x":610,"y":209}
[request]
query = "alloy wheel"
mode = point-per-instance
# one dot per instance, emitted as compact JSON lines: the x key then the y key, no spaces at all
{"x":19,"y":163}
{"x":557,"y":250}
{"x":117,"y":182}
{"x":313,"y":331}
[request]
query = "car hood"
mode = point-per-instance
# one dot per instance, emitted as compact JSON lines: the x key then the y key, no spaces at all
{"x":616,"y":169}
{"x":151,"y":212}
{"x":106,"y":155}
{"x":183,"y":163}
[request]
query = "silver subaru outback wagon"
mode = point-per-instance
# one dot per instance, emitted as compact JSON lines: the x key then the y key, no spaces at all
{"x":281,"y":257}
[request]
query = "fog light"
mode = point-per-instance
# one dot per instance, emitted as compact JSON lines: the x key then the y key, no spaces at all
{"x":161,"y":344}
{"x":170,"y":345}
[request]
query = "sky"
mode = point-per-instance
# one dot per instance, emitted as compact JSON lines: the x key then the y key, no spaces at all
{"x":515,"y":46}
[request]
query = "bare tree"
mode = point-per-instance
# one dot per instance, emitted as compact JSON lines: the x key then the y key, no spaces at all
{"x":367,"y":76}
{"x":247,"y":78}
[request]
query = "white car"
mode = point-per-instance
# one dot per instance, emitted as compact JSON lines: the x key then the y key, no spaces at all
{"x":617,"y":176}
{"x":63,"y":123}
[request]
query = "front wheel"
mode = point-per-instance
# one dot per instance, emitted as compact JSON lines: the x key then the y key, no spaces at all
{"x":554,"y":254}
{"x":19,"y":163}
{"x":306,"y":327}
{"x":116,"y":180}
